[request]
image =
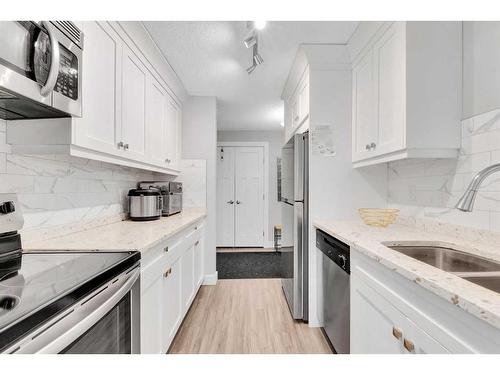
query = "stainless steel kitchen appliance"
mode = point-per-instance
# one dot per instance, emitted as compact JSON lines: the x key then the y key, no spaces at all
{"x":171,"y":192}
{"x":144,"y":204}
{"x":295,"y":223}
{"x":65,"y":302}
{"x":336,"y":290}
{"x":40,"y":69}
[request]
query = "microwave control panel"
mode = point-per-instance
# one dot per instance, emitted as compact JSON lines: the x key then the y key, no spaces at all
{"x":67,"y":79}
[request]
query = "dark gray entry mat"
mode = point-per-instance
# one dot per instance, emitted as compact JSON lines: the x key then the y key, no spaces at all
{"x":248,"y":265}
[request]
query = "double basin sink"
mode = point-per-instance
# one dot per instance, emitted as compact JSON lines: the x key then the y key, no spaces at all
{"x":476,"y":269}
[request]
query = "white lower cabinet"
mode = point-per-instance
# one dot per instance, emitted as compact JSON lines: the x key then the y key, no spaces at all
{"x":172,"y":273}
{"x":393,"y":315}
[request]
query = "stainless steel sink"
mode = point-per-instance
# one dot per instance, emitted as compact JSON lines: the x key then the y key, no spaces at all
{"x":473,"y":268}
{"x":488,"y":282}
{"x":447,"y":259}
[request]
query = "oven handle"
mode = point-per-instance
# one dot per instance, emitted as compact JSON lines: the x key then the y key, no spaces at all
{"x":61,"y":332}
{"x":54,"y":60}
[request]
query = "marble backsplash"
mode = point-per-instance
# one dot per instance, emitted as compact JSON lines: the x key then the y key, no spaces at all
{"x":57,"y":189}
{"x":429,"y":188}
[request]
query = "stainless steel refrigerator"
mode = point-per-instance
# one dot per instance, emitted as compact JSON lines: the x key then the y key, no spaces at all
{"x":295,"y":224}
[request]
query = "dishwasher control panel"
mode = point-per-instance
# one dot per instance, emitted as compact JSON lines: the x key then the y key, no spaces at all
{"x":334,"y":249}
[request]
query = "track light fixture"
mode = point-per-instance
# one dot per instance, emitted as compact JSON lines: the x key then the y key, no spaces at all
{"x":252,"y":40}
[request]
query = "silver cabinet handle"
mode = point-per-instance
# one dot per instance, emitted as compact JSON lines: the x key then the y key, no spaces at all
{"x":54,"y":61}
{"x":197,"y":243}
{"x":167,"y":273}
{"x":238,"y":202}
{"x":165,"y":249}
{"x":125,"y":146}
{"x":230,"y":202}
{"x":120,"y":144}
{"x":373,"y":145}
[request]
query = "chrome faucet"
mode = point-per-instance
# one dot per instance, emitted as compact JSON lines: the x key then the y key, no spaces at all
{"x":466,"y":202}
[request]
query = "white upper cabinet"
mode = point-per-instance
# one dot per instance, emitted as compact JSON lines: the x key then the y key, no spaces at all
{"x":297,"y":106}
{"x":130,"y":113}
{"x":134,"y":76}
{"x":406,"y":90}
{"x":99,"y":128}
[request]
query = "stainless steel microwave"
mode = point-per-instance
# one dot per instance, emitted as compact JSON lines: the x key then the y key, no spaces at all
{"x":40,"y":69}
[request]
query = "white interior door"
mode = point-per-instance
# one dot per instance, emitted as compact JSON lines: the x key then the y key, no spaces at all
{"x":225,"y":196}
{"x":249,"y":194}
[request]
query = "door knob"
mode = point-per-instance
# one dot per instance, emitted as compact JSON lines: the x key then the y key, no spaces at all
{"x":367,"y":147}
{"x":373,"y":145}
{"x":125,"y":146}
{"x":230,"y":202}
{"x":120,"y":144}
{"x":238,"y":202}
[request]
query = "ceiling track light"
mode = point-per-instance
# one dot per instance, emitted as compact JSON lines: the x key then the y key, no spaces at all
{"x":251,"y":40}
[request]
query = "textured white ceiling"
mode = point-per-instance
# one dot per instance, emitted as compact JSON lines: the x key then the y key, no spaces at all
{"x":210,"y":59}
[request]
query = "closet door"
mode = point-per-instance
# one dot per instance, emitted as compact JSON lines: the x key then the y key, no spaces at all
{"x":249,"y":193}
{"x":225,"y":196}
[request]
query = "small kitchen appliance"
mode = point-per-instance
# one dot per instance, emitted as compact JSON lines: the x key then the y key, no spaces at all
{"x":144,"y":204}
{"x":171,"y":192}
{"x":65,"y":301}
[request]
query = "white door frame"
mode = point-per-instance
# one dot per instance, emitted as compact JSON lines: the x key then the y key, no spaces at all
{"x":265,"y":145}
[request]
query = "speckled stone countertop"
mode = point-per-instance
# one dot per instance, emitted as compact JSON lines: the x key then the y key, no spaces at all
{"x":481,"y":302}
{"x":122,"y":235}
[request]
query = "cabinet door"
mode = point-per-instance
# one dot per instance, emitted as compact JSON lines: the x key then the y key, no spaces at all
{"x":151,"y":318}
{"x":99,"y":127}
{"x":187,"y":277}
{"x":134,"y":78}
{"x":389,"y":54}
{"x":377,"y":327}
{"x":198,"y":262}
{"x":295,"y":112}
{"x":173,"y":131}
{"x":304,"y":99}
{"x":171,"y":304}
{"x":156,"y":116}
{"x":364,"y":126}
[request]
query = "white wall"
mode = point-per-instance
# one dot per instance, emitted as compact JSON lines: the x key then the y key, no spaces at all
{"x":199,"y":141}
{"x":275,"y":140}
{"x":57,"y":190}
{"x":481,"y":67}
{"x":194,"y":182}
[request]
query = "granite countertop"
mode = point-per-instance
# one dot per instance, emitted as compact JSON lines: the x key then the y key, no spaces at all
{"x":481,"y":302}
{"x":122,"y":235}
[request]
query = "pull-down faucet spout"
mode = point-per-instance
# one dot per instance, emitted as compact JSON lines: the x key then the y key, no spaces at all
{"x":466,"y":202}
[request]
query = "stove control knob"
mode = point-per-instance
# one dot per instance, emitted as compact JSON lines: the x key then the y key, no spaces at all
{"x":7,"y":207}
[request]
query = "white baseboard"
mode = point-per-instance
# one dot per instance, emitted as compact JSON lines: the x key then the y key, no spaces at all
{"x":211,"y":279}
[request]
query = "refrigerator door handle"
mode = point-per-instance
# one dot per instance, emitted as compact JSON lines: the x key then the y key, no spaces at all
{"x":298,"y":223}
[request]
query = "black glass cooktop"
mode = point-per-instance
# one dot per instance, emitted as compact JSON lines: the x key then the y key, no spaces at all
{"x":44,"y":283}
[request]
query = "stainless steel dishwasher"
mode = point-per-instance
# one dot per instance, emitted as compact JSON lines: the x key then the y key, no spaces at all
{"x":336,"y":290}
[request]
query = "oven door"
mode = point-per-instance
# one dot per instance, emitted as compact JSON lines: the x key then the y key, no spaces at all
{"x":105,"y":322}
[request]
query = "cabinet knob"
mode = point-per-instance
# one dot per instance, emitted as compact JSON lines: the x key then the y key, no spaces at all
{"x":230,"y":202}
{"x":373,"y":145}
{"x":396,"y":332}
{"x":197,"y":243}
{"x":119,"y":144}
{"x":125,"y":146}
{"x":238,"y":202}
{"x":408,"y":345}
{"x":167,"y":161}
{"x":165,"y":249}
{"x":167,"y":272}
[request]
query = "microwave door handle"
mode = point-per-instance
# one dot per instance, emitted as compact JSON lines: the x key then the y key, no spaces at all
{"x":54,"y":60}
{"x":64,"y":331}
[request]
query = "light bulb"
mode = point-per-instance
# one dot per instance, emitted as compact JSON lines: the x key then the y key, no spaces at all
{"x":259,"y":25}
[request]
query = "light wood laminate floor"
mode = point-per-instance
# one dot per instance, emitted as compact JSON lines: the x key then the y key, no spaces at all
{"x":245,"y":316}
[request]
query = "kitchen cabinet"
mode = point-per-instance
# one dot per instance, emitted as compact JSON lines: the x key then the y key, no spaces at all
{"x":391,"y":314}
{"x":297,"y":106}
{"x":172,"y":273}
{"x":406,"y":92}
{"x":130,"y":114}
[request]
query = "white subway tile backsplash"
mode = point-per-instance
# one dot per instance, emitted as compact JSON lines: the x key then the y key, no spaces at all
{"x":431,"y":188}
